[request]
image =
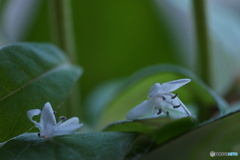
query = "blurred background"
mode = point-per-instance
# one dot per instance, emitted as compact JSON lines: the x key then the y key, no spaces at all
{"x":115,"y":39}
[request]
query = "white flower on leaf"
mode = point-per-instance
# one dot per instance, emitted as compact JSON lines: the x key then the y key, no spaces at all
{"x":48,"y":126}
{"x":160,"y":96}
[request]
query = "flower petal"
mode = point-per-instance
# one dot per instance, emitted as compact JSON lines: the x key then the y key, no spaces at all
{"x":68,"y":126}
{"x":173,"y":85}
{"x":47,"y":116}
{"x":140,"y":110}
{"x":182,"y":108}
{"x":187,"y":112}
{"x":73,"y":120}
{"x":31,"y":114}
{"x":154,"y":90}
{"x":47,"y":121}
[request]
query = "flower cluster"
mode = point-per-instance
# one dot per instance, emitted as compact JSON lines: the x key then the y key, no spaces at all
{"x":160,"y":96}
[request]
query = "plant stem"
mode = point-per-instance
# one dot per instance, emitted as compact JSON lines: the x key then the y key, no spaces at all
{"x":203,"y":58}
{"x":62,"y":27}
{"x":63,"y":36}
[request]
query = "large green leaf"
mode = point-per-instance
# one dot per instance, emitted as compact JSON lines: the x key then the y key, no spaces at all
{"x":31,"y":75}
{"x":148,"y":125}
{"x":159,"y":129}
{"x":221,"y":135}
{"x":135,"y":89}
{"x":84,"y":146}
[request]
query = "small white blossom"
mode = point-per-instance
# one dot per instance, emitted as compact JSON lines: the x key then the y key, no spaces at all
{"x":160,"y":96}
{"x":48,"y":126}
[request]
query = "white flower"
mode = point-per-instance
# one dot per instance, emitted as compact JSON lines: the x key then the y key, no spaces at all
{"x":160,"y":96}
{"x":48,"y":126}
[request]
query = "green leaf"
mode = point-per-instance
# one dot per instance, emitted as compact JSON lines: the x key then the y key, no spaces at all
{"x":31,"y":75}
{"x":145,"y":126}
{"x":160,"y":129}
{"x":86,"y":146}
{"x":135,"y":89}
{"x":222,"y":135}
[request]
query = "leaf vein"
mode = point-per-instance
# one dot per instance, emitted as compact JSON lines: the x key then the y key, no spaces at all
{"x":35,"y":79}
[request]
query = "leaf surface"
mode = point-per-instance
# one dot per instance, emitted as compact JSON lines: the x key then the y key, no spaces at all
{"x":160,"y":129}
{"x":31,"y":75}
{"x":82,"y":146}
{"x":221,"y":135}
